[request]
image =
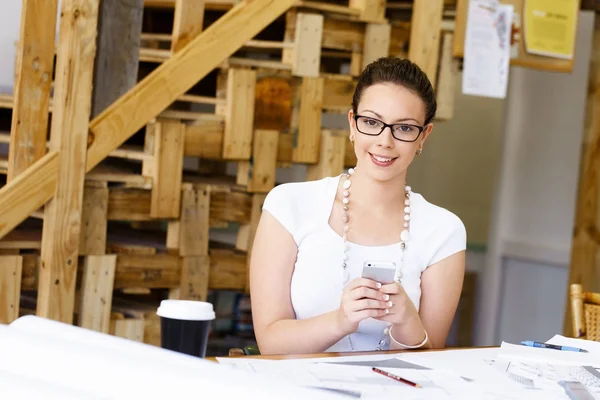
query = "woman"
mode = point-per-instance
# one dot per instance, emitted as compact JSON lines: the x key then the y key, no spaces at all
{"x":313,"y":238}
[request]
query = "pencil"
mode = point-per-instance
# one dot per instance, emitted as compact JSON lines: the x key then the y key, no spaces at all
{"x":396,"y":378}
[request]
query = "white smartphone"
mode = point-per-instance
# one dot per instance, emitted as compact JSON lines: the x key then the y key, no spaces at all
{"x":379,"y":271}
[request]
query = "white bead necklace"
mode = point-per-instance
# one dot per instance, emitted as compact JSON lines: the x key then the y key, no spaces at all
{"x":404,"y":237}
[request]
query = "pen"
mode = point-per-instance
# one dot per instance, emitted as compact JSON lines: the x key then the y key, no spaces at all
{"x":531,"y":343}
{"x":396,"y":378}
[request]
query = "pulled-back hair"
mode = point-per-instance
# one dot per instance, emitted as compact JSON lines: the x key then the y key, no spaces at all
{"x":402,"y":72}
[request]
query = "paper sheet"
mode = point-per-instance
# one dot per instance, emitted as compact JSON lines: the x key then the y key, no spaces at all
{"x":515,"y":352}
{"x":550,"y":27}
{"x":487,"y":48}
{"x":589,"y":345}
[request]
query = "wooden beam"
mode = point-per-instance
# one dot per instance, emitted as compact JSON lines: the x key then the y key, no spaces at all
{"x":377,"y":42}
{"x":10,"y":287}
{"x":94,"y":223}
{"x":195,"y":272}
{"x":307,"y":50}
{"x":187,"y":23}
{"x":331,"y":159}
{"x":448,"y":78}
{"x":258,"y":174}
{"x":149,"y":98}
{"x":194,"y":223}
{"x":70,"y":119}
{"x":118,"y":49}
{"x":460,"y":30}
{"x":96,"y":292}
{"x":425,"y":27}
{"x":370,"y":10}
{"x":585,"y":265}
{"x":166,"y":186}
{"x":228,"y":270}
{"x":239,"y":114}
{"x":306,"y":120}
{"x":35,"y":57}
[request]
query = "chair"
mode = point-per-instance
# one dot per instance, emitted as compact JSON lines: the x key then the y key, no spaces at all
{"x":585,"y":307}
{"x":246,"y":351}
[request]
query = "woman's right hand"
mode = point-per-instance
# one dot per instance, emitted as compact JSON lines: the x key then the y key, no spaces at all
{"x":361,"y":299}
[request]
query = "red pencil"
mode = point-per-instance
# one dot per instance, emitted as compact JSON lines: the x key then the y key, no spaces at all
{"x":396,"y":378}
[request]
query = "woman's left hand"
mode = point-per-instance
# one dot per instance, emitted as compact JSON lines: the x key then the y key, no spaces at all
{"x":402,"y":308}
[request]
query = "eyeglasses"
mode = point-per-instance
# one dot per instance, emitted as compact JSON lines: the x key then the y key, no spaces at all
{"x":374,"y":127}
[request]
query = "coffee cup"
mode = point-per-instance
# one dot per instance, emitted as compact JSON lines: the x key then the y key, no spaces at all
{"x":185,"y":325}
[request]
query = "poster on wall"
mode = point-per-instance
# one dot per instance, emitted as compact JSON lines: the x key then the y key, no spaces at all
{"x":550,"y":27}
{"x":487,"y":49}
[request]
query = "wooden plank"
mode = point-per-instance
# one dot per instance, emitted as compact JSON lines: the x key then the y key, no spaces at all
{"x":118,"y":49}
{"x":331,"y":159}
{"x":70,"y":119}
{"x":341,"y":34}
{"x":195,"y":271}
{"x":306,"y":120}
{"x":307,"y":51}
{"x":259,"y":173}
{"x":425,"y":27}
{"x":187,"y":22}
{"x":204,"y":139}
{"x":370,"y":10}
{"x":92,"y":240}
{"x":228,"y":270}
{"x":149,"y":98}
{"x":128,"y":328}
{"x":96,"y":292}
{"x":337,"y":93}
{"x":155,"y":271}
{"x":272,"y":102}
{"x":125,"y":204}
{"x":400,"y":38}
{"x":166,"y":185}
{"x":246,"y":233}
{"x":239,"y":115}
{"x":132,"y":204}
{"x":377,"y":42}
{"x":149,"y":163}
{"x":34,"y":64}
{"x":585,"y":265}
{"x":10,"y":286}
{"x":195,"y":221}
{"x":447,"y":80}
{"x":460,"y":30}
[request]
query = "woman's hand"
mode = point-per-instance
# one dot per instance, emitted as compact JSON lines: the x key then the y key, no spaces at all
{"x":402,"y":309}
{"x":362,"y":298}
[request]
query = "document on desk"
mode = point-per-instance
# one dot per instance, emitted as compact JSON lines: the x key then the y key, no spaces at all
{"x":437,"y":382}
{"x":361,"y":382}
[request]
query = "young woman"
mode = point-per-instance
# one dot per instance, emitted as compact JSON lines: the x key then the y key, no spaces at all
{"x":313,"y":238}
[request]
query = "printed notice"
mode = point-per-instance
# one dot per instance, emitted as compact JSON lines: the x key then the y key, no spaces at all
{"x":487,"y":49}
{"x":550,"y":27}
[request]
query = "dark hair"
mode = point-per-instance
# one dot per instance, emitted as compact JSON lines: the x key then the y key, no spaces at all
{"x":401,"y":72}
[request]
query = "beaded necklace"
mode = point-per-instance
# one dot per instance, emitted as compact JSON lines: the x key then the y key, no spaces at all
{"x":404,"y":237}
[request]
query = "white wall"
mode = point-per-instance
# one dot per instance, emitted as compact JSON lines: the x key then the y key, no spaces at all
{"x":535,"y":201}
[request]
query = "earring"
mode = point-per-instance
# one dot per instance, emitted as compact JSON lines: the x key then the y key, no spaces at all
{"x":419,"y":151}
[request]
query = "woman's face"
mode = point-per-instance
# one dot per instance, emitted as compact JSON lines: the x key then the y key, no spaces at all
{"x":383,"y":156}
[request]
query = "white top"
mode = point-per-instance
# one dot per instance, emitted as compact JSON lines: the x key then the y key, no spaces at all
{"x":304,"y":209}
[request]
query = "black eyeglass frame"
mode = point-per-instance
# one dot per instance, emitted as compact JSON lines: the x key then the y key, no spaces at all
{"x":391,"y":126}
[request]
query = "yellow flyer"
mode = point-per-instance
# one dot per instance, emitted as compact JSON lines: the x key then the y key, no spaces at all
{"x":550,"y":27}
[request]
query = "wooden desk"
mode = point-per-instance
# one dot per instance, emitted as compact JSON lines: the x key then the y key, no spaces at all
{"x":354,"y":353}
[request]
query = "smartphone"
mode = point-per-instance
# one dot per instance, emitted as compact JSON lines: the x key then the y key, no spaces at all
{"x":379,"y":271}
